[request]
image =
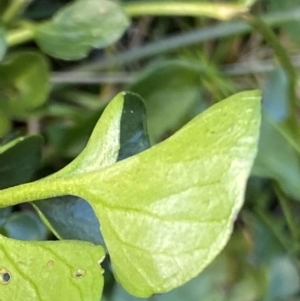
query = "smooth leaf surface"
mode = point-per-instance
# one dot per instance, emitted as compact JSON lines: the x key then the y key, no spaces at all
{"x":24,"y":83}
{"x":24,"y":225}
{"x":276,"y":97}
{"x":80,"y":27}
{"x":4,"y":215}
{"x":229,"y":278}
{"x":174,"y":207}
{"x":70,"y":217}
{"x":277,"y":157}
{"x":22,"y":152}
{"x":121,"y":133}
{"x":48,"y":271}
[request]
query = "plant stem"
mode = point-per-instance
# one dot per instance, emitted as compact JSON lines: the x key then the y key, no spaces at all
{"x":15,"y":8}
{"x":19,"y":36}
{"x":37,"y":190}
{"x":91,"y":77}
{"x":222,"y":11}
{"x":74,"y":77}
{"x":187,"y":39}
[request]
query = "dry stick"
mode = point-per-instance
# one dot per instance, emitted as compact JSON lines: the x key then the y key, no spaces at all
{"x":91,"y":77}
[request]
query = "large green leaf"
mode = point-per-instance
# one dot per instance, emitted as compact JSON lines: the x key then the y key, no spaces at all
{"x":81,"y":26}
{"x":50,"y":271}
{"x":123,"y":133}
{"x":231,"y":277}
{"x":168,"y":211}
{"x":24,"y":83}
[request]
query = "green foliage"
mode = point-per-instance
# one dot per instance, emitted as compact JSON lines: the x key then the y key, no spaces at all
{"x":24,"y":85}
{"x":50,"y":270}
{"x":23,"y":151}
{"x":72,"y":217}
{"x":166,"y":194}
{"x":277,"y":157}
{"x":81,"y":26}
{"x":210,"y":164}
{"x":24,"y":225}
{"x":18,"y":76}
{"x":161,"y":82}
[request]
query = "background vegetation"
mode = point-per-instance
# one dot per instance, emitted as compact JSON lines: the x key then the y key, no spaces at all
{"x":180,"y":63}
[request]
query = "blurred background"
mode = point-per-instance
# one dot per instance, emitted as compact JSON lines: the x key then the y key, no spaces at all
{"x":181,"y":59}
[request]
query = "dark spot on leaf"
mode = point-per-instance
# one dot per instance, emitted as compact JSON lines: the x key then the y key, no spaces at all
{"x":79,"y":273}
{"x":4,"y":276}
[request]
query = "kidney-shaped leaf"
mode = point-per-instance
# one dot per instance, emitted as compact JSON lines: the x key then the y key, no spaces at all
{"x":81,"y":26}
{"x":50,"y":271}
{"x":167,"y":212}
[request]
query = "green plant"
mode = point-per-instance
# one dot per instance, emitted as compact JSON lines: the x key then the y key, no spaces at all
{"x":194,"y":172}
{"x":152,"y":192}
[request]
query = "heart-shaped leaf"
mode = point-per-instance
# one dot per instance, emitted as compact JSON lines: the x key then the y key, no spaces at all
{"x":50,"y":271}
{"x":81,"y":26}
{"x":168,"y":211}
{"x":122,"y":131}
